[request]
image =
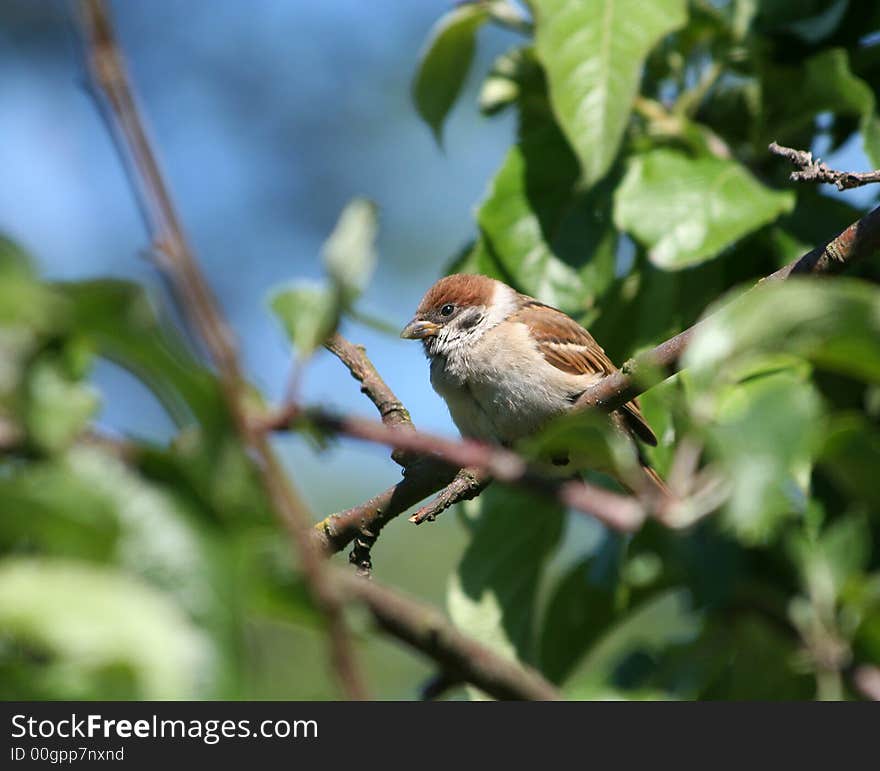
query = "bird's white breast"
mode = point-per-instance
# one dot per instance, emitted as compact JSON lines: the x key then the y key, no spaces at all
{"x":500,"y":388}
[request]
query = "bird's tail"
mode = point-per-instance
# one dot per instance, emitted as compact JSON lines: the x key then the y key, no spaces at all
{"x":654,"y":484}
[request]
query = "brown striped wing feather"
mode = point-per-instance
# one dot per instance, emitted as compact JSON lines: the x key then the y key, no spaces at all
{"x":568,"y":346}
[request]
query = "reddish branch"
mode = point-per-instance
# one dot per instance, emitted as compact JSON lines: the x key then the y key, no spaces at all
{"x":858,"y":241}
{"x":811,"y":170}
{"x":619,"y":512}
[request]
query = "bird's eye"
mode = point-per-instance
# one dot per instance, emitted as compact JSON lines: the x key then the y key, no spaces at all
{"x":447,"y":309}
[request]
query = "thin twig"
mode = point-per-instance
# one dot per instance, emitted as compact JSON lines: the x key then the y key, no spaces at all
{"x":391,"y":409}
{"x":431,"y":633}
{"x":392,"y":412}
{"x":468,"y":484}
{"x":198,"y":304}
{"x":811,"y":170}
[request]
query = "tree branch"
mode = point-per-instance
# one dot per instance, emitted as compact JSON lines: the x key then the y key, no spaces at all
{"x":198,"y":304}
{"x":817,"y":171}
{"x":468,"y":484}
{"x":429,"y":631}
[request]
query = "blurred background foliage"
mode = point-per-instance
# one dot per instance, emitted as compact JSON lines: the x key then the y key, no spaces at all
{"x":139,"y":556}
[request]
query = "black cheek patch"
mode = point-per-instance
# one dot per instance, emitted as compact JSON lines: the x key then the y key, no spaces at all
{"x":470,"y":320}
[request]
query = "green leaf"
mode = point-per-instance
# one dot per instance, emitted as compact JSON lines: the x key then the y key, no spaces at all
{"x":793,"y":96}
{"x":550,"y":240}
{"x":349,"y":253}
{"x":492,"y":595}
{"x":834,"y":324}
{"x":593,"y":52}
{"x":309,"y":313}
{"x":588,"y":439}
{"x":660,"y":622}
{"x":687,"y":210}
{"x":59,"y":407}
{"x":851,"y":455}
{"x":582,"y":606}
{"x":765,"y":433}
{"x":99,"y":625}
{"x":445,"y":63}
{"x":120,"y":321}
{"x":23,"y":300}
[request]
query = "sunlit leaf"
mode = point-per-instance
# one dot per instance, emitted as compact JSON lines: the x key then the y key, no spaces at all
{"x":309,"y":313}
{"x":92,"y":621}
{"x":349,"y":253}
{"x":550,"y":239}
{"x":593,"y":51}
{"x":687,"y":210}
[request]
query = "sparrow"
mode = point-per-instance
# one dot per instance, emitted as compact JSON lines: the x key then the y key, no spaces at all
{"x":506,"y":364}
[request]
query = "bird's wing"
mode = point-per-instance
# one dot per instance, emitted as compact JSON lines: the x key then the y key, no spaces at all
{"x":569,"y":347}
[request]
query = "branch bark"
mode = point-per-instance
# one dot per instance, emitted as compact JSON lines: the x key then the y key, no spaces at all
{"x":811,"y":170}
{"x":429,"y":631}
{"x":197,"y":303}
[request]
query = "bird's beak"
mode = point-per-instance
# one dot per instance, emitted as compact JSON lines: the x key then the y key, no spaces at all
{"x":417,"y":329}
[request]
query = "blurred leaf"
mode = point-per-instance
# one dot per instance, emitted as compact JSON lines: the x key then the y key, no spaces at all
{"x":118,"y":515}
{"x":593,"y":52}
{"x":765,"y":433}
{"x":59,"y":407}
{"x":492,"y":596}
{"x":45,"y":507}
{"x":502,"y":85}
{"x":309,"y":313}
{"x":273,"y":585}
{"x":663,"y":621}
{"x":23,"y":300}
{"x":829,"y":561}
{"x":588,"y":439}
{"x":851,"y":455}
{"x":92,"y":620}
{"x":120,"y":321}
{"x":687,"y":210}
{"x":741,"y":655}
{"x":834,"y":324}
{"x":445,"y":63}
{"x":349,"y":253}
